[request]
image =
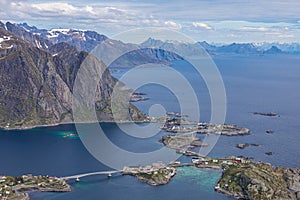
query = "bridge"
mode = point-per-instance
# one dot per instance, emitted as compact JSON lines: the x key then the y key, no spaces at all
{"x":78,"y":176}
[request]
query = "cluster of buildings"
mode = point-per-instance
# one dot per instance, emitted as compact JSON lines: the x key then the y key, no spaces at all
{"x":5,"y":187}
{"x":223,"y":161}
{"x":150,"y":169}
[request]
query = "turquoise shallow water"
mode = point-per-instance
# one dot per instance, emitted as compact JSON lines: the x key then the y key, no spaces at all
{"x":200,"y":178}
{"x":189,"y":183}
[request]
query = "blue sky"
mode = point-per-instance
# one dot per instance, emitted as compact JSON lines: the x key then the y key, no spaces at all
{"x":220,"y":21}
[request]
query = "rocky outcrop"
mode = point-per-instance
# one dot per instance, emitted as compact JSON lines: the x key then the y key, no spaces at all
{"x":292,"y":177}
{"x":259,"y":181}
{"x":245,"y":145}
{"x":182,"y":142}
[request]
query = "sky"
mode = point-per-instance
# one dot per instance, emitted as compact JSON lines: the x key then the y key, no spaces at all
{"x":214,"y":21}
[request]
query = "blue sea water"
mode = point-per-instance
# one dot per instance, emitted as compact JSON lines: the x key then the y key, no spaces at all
{"x":266,"y":84}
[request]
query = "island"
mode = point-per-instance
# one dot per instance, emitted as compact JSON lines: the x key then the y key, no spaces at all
{"x":156,"y":174}
{"x":268,"y":114}
{"x":222,"y":129}
{"x":181,"y":125}
{"x":270,"y":153}
{"x":182,"y":142}
{"x":17,"y":187}
{"x":269,"y":131}
{"x":175,"y":114}
{"x":245,"y":145}
{"x":138,"y":96}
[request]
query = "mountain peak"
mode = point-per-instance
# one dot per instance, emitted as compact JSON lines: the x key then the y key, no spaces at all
{"x":273,"y":50}
{"x":151,"y":42}
{"x":240,"y":48}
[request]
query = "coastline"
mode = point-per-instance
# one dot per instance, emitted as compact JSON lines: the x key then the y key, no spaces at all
{"x":70,"y":123}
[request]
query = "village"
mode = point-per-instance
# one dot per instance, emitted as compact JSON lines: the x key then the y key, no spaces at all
{"x":155,"y":174}
{"x":16,"y":187}
{"x":177,"y":123}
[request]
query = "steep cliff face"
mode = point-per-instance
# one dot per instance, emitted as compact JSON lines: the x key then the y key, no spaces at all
{"x":69,"y":60}
{"x":36,"y":85}
{"x":30,"y":85}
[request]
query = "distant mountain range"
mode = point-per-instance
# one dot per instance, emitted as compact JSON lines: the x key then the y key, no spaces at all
{"x":245,"y":48}
{"x":89,"y":40}
{"x":234,"y":48}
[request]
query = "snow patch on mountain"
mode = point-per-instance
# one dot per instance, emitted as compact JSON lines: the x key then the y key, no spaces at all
{"x":4,"y":38}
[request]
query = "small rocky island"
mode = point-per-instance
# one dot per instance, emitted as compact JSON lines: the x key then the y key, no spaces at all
{"x":269,"y":131}
{"x":222,"y":129}
{"x":245,"y":145}
{"x":156,"y":174}
{"x":138,"y":96}
{"x":182,"y":142}
{"x":268,"y":114}
{"x":16,"y":187}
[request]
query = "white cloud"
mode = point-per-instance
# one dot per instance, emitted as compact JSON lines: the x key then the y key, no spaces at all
{"x":262,"y":29}
{"x":233,"y":35}
{"x":57,"y":9}
{"x":151,"y":22}
{"x":202,"y":25}
{"x":255,"y":21}
{"x":172,"y":24}
{"x":286,"y":36}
